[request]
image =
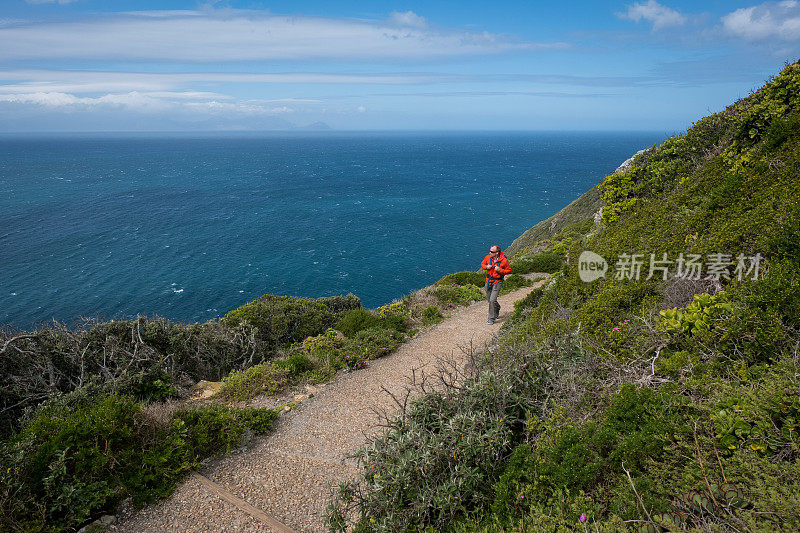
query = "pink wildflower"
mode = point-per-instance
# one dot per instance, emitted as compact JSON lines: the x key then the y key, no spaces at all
{"x":582,"y":518}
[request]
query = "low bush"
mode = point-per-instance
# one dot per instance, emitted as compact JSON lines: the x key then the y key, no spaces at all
{"x":375,"y":342}
{"x":151,"y":386}
{"x":326,"y":350}
{"x":80,"y":454}
{"x":296,"y":363}
{"x":458,"y":294}
{"x":431,"y":315}
{"x":548,"y":262}
{"x":209,"y":430}
{"x":396,"y":316}
{"x":398,"y":323}
{"x":282,"y":320}
{"x":464,"y":278}
{"x":212,"y":429}
{"x":634,"y":430}
{"x":340,"y":303}
{"x":514,"y":282}
{"x":257,"y":420}
{"x":267,"y":378}
{"x":415,"y":474}
{"x":523,"y":307}
{"x":355,"y":320}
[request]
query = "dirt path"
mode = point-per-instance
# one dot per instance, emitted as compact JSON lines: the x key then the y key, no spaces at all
{"x":285,"y":477}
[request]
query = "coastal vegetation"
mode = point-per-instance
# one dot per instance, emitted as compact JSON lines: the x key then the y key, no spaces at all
{"x":659,"y":396}
{"x":101,"y":412}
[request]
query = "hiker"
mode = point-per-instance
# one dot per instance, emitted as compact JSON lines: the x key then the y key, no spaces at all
{"x":496,"y":266}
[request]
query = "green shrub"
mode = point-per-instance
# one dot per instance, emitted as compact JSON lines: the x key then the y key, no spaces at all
{"x":613,"y":302}
{"x":78,"y":455}
{"x":339,"y":304}
{"x":760,"y":414}
{"x":296,"y":364}
{"x":327,"y":350}
{"x":616,"y":191}
{"x":523,"y":307}
{"x":70,"y":460}
{"x":355,"y":320}
{"x":696,"y":318}
{"x":266,"y":378}
{"x":509,"y":491}
{"x":437,"y":461}
{"x":634,"y":430}
{"x":464,"y":278}
{"x":398,"y":323}
{"x":375,"y":342}
{"x":395,"y":316}
{"x":514,"y":282}
{"x":458,"y":294}
{"x":784,"y":243}
{"x":431,"y":315}
{"x":282,"y":320}
{"x":258,"y":420}
{"x":543,"y":262}
{"x":210,"y":430}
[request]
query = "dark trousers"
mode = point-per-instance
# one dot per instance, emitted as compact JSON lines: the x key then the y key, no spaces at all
{"x":491,"y":296}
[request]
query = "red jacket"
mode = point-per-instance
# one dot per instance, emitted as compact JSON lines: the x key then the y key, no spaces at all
{"x":494,"y":276}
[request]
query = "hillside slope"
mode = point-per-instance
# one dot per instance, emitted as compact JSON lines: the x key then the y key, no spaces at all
{"x":579,"y":210}
{"x":655,"y":384}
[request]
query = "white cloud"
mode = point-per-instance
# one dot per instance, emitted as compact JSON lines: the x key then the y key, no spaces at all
{"x":157,"y":102}
{"x":246,"y":36}
{"x":408,"y":18}
{"x":89,"y":82}
{"x":659,"y":15}
{"x":50,"y":1}
{"x":238,"y":108}
{"x":765,"y":21}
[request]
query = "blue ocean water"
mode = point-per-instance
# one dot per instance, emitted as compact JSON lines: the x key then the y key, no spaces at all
{"x":189,"y":227}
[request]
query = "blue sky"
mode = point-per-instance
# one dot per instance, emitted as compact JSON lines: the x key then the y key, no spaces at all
{"x":98,"y":65}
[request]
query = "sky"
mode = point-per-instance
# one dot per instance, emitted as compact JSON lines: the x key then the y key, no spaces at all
{"x":250,"y":65}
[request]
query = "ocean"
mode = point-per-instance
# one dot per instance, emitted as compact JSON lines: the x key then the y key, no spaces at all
{"x":191,"y":226}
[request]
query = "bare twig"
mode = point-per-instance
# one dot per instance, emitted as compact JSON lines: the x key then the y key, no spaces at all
{"x":714,"y":444}
{"x":630,"y":480}
{"x":703,"y":469}
{"x":14,"y":339}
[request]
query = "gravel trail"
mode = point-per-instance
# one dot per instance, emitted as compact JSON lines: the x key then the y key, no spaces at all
{"x":289,"y":473}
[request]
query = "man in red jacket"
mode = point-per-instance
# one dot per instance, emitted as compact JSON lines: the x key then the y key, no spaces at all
{"x":496,"y":266}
